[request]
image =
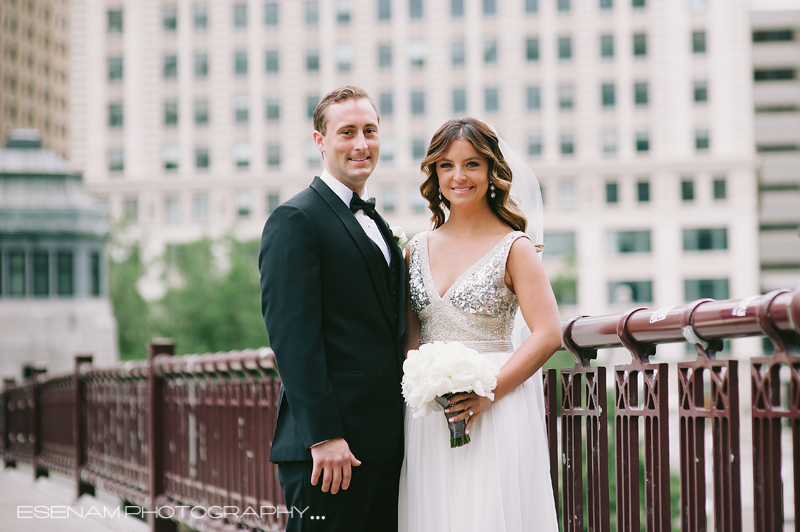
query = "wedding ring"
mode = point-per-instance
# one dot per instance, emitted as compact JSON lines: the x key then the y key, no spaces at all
{"x":470,"y":412}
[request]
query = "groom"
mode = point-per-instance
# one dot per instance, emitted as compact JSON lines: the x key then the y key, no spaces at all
{"x":333,"y":299}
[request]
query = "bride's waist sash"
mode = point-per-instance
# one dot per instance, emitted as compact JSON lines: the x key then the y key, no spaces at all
{"x":489,"y":346}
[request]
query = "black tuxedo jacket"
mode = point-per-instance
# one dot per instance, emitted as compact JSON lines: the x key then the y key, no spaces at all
{"x":334,"y":320}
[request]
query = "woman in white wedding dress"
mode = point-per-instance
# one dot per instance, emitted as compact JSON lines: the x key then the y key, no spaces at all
{"x":467,"y":278}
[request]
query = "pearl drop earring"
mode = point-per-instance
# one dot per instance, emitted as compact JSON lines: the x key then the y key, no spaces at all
{"x":491,"y":190}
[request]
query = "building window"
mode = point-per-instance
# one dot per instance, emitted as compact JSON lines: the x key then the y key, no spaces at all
{"x":273,"y":200}
{"x":559,"y":244}
{"x":698,"y":42}
{"x":700,"y":91}
{"x":415,"y":199}
{"x":705,"y":239}
{"x":687,"y":190}
{"x":415,"y":9}
{"x":609,"y":141}
{"x":720,"y":192}
{"x":201,"y":159}
{"x":200,"y":207}
{"x":563,"y":5}
{"x":384,"y":9}
{"x":115,"y":161}
{"x":271,"y":14}
{"x":638,"y":3}
{"x":343,"y":11}
{"x":241,"y":155}
{"x":643,"y":191}
{"x":701,"y":140}
{"x":172,"y":209}
{"x":630,"y":241}
{"x":385,"y":56}
{"x":531,"y":6}
{"x":456,"y":8}
{"x":775,"y":74}
{"x":533,"y":98}
{"x":639,"y":44}
{"x":312,"y":59}
{"x":567,"y":195}
{"x":114,"y":68}
{"x":418,"y":149}
{"x":240,"y":15}
{"x":386,"y":103}
{"x":606,"y":4}
{"x":312,"y":153}
{"x":417,"y":103}
{"x":114,"y":21}
{"x":312,"y":13}
{"x":608,"y":95}
{"x":273,"y":155}
{"x":272,"y":63}
{"x":705,"y":288}
{"x":240,"y":62}
{"x":607,"y":46}
{"x":65,"y":273}
{"x":640,"y":93}
{"x":783,"y":35}
{"x":130,"y":209}
{"x":171,"y":113}
{"x":115,"y":115}
{"x":273,"y":109}
{"x":94,"y":274}
{"x":567,"y":144}
{"x":242,"y":200}
{"x":459,"y":101}
{"x":566,"y":96}
{"x":642,"y":141}
{"x":532,"y":49}
{"x":200,"y":65}
{"x":200,"y":16}
{"x":491,"y":99}
{"x":627,"y":292}
{"x":201,"y":112}
{"x":311,"y":105}
{"x":534,"y":144}
{"x":17,"y":279}
{"x":490,"y":51}
{"x":458,"y":53}
{"x":489,"y":7}
{"x":241,"y":109}
{"x":416,"y":53}
{"x":169,"y":15}
{"x":170,"y":156}
{"x":344,"y":57}
{"x":387,"y":149}
{"x":612,"y":192}
{"x":565,"y":48}
{"x":388,"y":197}
{"x":170,"y":66}
{"x":41,"y":273}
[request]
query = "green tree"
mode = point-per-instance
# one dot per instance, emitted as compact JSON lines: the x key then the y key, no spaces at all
{"x":134,"y":325}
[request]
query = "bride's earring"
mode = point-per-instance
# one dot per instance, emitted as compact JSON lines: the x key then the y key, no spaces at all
{"x":491,"y":190}
{"x":440,"y":194}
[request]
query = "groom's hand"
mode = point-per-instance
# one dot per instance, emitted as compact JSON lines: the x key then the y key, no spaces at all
{"x":333,"y":460}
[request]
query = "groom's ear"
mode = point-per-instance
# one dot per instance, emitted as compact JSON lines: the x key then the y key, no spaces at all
{"x":319,"y":140}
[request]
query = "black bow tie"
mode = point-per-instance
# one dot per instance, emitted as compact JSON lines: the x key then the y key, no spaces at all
{"x":357,"y":204}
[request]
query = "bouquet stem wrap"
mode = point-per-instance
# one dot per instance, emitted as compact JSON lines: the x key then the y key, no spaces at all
{"x":458,"y":436}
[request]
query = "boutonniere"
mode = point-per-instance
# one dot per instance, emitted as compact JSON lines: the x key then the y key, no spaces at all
{"x":399,"y":235}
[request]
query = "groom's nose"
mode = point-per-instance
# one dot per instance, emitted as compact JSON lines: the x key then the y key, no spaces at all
{"x":360,"y":142}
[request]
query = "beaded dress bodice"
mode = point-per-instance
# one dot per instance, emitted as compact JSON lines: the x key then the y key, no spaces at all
{"x":478,"y":308}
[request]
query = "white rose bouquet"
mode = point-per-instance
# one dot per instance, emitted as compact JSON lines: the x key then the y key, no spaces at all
{"x":437,"y":371}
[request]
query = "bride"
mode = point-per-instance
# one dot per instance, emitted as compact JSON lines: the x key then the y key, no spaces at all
{"x":467,"y":278}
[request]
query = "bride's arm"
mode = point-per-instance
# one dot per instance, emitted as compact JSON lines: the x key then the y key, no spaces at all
{"x":411,"y":334}
{"x":529,"y":282}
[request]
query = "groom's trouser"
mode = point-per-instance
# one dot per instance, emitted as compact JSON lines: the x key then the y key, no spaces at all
{"x":368,"y":505}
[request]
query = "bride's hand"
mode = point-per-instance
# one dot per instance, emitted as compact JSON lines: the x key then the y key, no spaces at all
{"x":469,"y":407}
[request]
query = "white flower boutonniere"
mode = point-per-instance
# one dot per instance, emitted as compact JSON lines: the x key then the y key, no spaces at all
{"x":399,"y":235}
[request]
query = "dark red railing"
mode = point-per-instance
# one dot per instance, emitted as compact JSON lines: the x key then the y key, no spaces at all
{"x":178,"y":434}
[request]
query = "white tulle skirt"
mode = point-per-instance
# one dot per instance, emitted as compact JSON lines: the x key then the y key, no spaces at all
{"x":499,"y":482}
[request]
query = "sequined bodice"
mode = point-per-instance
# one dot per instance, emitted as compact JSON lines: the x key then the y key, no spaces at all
{"x":478,"y":307}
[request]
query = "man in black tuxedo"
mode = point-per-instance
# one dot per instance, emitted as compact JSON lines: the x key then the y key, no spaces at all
{"x":333,"y":296}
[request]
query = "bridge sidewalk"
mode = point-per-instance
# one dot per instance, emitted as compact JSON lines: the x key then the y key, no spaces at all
{"x":19,"y":494}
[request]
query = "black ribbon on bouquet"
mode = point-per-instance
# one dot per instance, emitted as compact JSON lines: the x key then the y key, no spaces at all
{"x":458,"y":434}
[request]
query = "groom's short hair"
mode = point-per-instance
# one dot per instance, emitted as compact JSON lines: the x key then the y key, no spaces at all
{"x":342,"y":94}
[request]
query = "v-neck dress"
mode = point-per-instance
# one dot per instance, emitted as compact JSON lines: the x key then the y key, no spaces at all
{"x":500,"y":481}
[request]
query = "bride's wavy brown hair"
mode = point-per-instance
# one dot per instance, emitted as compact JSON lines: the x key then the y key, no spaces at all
{"x":485,"y":142}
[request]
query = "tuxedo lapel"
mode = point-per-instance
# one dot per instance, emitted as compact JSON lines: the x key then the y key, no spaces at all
{"x":364,"y":244}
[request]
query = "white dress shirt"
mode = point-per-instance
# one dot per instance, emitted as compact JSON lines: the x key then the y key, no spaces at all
{"x":367,"y":223}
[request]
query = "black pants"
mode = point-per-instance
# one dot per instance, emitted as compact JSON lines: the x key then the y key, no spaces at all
{"x":368,"y":505}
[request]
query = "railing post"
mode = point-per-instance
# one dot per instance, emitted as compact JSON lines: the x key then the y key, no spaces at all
{"x":36,"y":417}
{"x":8,"y":383}
{"x":79,"y":427}
{"x":155,"y":434}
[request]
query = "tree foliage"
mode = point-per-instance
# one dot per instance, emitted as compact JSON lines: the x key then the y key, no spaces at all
{"x":134,"y":325}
